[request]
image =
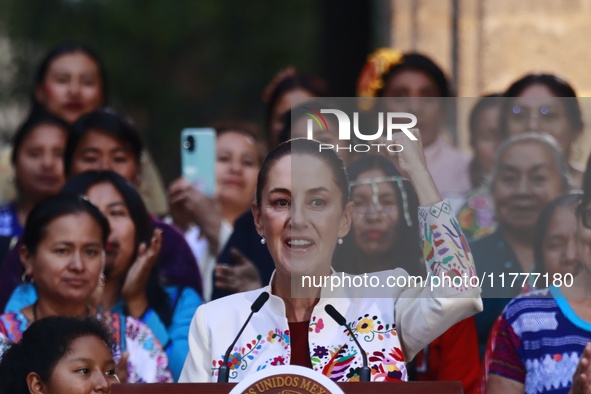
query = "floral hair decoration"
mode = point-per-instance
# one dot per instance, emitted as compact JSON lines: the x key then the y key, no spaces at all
{"x":371,"y":78}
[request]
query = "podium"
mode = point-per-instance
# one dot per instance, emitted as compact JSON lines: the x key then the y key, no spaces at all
{"x":349,"y":388}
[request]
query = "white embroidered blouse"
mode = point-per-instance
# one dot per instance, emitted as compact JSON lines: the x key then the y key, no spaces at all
{"x":391,"y":329}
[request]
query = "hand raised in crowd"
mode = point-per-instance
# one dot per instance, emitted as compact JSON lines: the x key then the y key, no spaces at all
{"x":411,"y":164}
{"x":242,"y":276}
{"x":134,"y":287}
{"x":582,"y":375}
{"x":189,"y":205}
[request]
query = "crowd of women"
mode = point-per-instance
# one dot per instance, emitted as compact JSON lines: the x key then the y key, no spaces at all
{"x":126,"y":293}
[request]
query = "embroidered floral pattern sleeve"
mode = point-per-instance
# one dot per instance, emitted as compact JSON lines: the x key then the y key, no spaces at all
{"x":445,"y":247}
{"x":149,"y":361}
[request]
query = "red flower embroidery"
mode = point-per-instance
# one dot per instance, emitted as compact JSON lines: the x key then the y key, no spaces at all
{"x":319,"y":326}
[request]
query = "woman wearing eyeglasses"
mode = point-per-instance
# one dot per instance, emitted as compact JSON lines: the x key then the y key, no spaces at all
{"x":544,"y":103}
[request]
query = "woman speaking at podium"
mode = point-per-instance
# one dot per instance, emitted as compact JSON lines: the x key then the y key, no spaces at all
{"x":302,"y":211}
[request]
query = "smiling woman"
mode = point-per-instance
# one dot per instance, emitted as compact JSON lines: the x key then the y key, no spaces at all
{"x":302,"y":211}
{"x":529,"y":172}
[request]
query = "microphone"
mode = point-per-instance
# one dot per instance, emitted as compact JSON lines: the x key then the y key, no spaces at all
{"x":336,"y":316}
{"x":256,"y":306}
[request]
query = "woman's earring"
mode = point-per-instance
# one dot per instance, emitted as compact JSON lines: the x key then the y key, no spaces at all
{"x":340,"y":241}
{"x":263,"y":240}
{"x":27,"y":279}
{"x":102,"y":279}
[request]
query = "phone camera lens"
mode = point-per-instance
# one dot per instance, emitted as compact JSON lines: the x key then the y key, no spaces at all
{"x":189,"y":143}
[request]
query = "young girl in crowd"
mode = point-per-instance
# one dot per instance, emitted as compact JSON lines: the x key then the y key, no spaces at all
{"x":78,"y":359}
{"x":63,"y":253}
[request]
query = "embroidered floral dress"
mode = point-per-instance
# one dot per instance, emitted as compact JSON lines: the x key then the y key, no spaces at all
{"x":147,"y":362}
{"x":477,"y":216}
{"x":391,"y":329}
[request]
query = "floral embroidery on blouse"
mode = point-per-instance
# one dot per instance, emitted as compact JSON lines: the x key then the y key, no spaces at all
{"x":282,"y":338}
{"x":386,"y":367}
{"x":240,"y":356}
{"x":372,"y":327}
{"x":151,"y":352}
{"x":445,"y":248}
{"x":339,"y":362}
{"x":279,"y":336}
{"x":316,"y":326}
{"x":334,"y":362}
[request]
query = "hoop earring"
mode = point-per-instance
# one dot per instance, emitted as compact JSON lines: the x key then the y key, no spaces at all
{"x":263,"y":241}
{"x":27,"y":279}
{"x":340,"y":241}
{"x":102,"y":279}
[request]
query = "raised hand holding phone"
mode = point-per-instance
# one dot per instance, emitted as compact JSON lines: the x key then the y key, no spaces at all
{"x":191,"y":197}
{"x":198,"y":156}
